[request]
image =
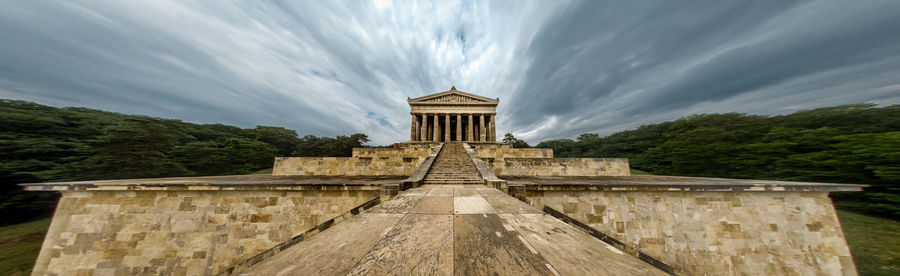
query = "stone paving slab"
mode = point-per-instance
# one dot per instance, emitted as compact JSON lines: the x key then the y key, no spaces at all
{"x":417,"y":245}
{"x":440,"y":192}
{"x":332,"y":252}
{"x":460,"y":192}
{"x":472,"y":205}
{"x":397,"y":205}
{"x":510,"y":205}
{"x":483,"y":246}
{"x":416,"y":191}
{"x":574,"y":252}
{"x":434,"y":205}
{"x":491,"y":192}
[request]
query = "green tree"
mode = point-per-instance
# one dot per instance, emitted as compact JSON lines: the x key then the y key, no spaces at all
{"x":135,"y":148}
{"x":231,"y":156}
{"x":285,"y":140}
{"x":516,"y":143}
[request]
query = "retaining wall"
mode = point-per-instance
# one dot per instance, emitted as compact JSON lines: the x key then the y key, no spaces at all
{"x":346,"y":166}
{"x":560,"y":167}
{"x":717,"y":233}
{"x":179,"y":232}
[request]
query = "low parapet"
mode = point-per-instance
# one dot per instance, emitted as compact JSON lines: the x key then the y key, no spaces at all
{"x":346,"y":166}
{"x":416,"y":178}
{"x":407,"y":150}
{"x":396,"y":161}
{"x":501,"y":151}
{"x":561,"y":167}
{"x":489,"y":177}
{"x":252,"y":182}
{"x":659,"y":183}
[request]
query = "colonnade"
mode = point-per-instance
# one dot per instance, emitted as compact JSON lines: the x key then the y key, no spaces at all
{"x":437,"y":127}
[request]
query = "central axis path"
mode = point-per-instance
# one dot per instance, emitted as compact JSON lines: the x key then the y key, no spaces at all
{"x":452,"y":230}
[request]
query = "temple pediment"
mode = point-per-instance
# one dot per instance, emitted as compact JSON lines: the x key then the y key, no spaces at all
{"x":453,"y":96}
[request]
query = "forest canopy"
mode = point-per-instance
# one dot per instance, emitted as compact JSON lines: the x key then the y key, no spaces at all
{"x":41,"y":143}
{"x":858,"y":144}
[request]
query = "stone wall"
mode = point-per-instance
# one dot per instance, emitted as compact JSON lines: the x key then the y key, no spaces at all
{"x":717,"y":233}
{"x":179,"y":232}
{"x":560,"y":167}
{"x":347,"y":166}
{"x":411,"y":150}
{"x":501,"y":151}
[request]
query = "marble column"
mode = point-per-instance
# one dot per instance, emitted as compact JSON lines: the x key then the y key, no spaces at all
{"x":493,"y":132}
{"x":422,"y":128}
{"x":469,"y":128}
{"x":412,"y":130}
{"x":429,"y":128}
{"x":436,"y":133}
{"x":446,"y":128}
{"x":481,"y":128}
{"x":458,"y":127}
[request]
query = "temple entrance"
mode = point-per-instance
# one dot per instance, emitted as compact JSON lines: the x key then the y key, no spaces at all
{"x":453,"y":128}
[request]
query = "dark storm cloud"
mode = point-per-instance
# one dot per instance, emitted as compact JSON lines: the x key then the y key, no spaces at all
{"x":560,"y":68}
{"x":598,"y":60}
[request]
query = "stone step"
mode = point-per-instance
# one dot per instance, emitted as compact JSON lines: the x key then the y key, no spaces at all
{"x":453,"y":165}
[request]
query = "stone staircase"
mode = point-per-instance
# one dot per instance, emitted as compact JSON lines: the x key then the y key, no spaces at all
{"x":453,"y":166}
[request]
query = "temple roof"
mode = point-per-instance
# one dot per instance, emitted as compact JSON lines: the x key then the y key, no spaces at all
{"x":453,"y":97}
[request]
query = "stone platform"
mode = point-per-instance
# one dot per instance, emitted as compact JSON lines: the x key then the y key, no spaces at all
{"x":453,"y":230}
{"x":694,"y":225}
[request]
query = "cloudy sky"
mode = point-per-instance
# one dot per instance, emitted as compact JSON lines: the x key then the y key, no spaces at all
{"x":560,"y":68}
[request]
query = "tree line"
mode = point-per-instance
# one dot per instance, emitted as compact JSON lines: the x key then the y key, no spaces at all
{"x":857,"y":143}
{"x":41,"y":143}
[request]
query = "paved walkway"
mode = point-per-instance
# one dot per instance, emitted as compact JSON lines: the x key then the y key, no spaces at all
{"x":452,"y":230}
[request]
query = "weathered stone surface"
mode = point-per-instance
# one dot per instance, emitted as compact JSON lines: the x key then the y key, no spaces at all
{"x":417,"y":245}
{"x":434,"y":205}
{"x":492,"y":152}
{"x":717,"y":232}
{"x":483,"y":246}
{"x":440,"y":244}
{"x":560,"y":167}
{"x":472,"y":205}
{"x":346,"y":166}
{"x":332,"y":252}
{"x":397,"y":205}
{"x":405,"y":151}
{"x":486,"y":192}
{"x":508,"y":205}
{"x":192,"y":232}
{"x":573,"y":252}
{"x":441,"y":191}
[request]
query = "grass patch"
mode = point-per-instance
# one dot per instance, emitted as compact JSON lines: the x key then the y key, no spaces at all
{"x":20,"y":245}
{"x":263,"y":171}
{"x":874,"y":243}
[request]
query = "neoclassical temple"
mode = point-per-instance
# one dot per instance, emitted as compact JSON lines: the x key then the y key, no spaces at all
{"x":451,"y":116}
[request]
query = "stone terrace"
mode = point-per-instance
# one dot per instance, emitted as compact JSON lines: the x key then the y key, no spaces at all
{"x":453,"y":229}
